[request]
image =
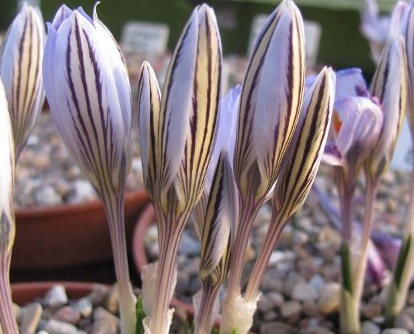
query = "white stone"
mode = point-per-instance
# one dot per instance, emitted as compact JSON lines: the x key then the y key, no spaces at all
{"x":304,"y":292}
{"x":56,"y":296}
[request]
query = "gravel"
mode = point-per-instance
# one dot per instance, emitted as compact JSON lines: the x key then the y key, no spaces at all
{"x":47,"y":176}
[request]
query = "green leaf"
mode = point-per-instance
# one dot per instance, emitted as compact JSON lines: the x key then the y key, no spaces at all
{"x":140,"y":314}
{"x":402,"y":260}
{"x":346,"y":269}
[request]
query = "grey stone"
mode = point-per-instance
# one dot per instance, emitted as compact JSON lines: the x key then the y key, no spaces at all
{"x":304,"y":292}
{"x":104,"y":322}
{"x":369,"y":327}
{"x":31,"y":315}
{"x":68,"y":314}
{"x":276,"y":327}
{"x":56,"y":296}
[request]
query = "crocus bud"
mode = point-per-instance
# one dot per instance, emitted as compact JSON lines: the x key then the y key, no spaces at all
{"x":7,"y":226}
{"x":184,"y":128}
{"x":219,"y":224}
{"x":407,"y":29}
{"x":225,"y":139}
{"x":7,"y":223}
{"x":21,"y":72}
{"x":270,"y":102}
{"x":87,"y":87}
{"x":306,"y":149}
{"x":389,"y":85}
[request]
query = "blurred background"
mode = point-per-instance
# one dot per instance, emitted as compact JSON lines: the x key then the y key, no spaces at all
{"x":341,"y":43}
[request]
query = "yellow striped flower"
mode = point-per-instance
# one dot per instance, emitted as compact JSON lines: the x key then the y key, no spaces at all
{"x":177,"y":130}
{"x":270,"y":102}
{"x":21,"y":71}
{"x":7,"y":222}
{"x":177,"y":134}
{"x":306,"y":149}
{"x":217,"y":236}
{"x":389,"y":85}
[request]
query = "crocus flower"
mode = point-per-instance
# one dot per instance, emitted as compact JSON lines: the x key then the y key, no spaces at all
{"x":269,"y":110}
{"x":357,"y":120}
{"x":407,"y":30}
{"x":299,"y":168}
{"x":217,"y":235}
{"x":88,"y":90}
{"x":177,"y":133}
{"x":21,"y":71}
{"x":7,"y":222}
{"x":225,"y":139}
{"x":389,"y":85}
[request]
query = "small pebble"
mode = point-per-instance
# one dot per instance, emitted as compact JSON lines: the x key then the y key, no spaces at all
{"x":304,"y":292}
{"x":369,"y":327}
{"x":56,"y":296}
{"x":104,"y":322}
{"x":31,"y":315}
{"x":329,"y":298}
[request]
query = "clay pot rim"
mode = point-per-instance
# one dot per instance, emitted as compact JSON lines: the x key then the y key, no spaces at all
{"x":67,"y":209}
{"x":25,"y":292}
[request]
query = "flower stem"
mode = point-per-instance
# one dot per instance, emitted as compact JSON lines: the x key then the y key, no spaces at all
{"x":359,"y":274}
{"x":402,"y":274}
{"x":114,"y":207}
{"x":7,"y":319}
{"x":247,"y":215}
{"x":168,"y":241}
{"x":349,"y":308}
{"x":203,"y":323}
{"x":259,"y":269}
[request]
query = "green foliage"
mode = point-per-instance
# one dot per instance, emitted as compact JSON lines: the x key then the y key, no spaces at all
{"x":401,"y":262}
{"x":346,"y":269}
{"x":140,"y":314}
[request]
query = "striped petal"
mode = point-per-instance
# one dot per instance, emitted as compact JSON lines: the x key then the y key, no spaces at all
{"x":21,"y":72}
{"x":148,"y":117}
{"x":189,"y":108}
{"x":226,"y":132}
{"x":389,"y":85}
{"x":408,"y":33}
{"x":218,"y":227}
{"x":7,"y":170}
{"x":84,"y":89}
{"x":305,"y":152}
{"x":271,"y":98}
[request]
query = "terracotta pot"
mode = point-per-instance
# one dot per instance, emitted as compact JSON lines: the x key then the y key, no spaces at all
{"x":23,"y":293}
{"x":69,"y":235}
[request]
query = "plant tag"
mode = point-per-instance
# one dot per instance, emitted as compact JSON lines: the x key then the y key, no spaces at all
{"x":146,"y":38}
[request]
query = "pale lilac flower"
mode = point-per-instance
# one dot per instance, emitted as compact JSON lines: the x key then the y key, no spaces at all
{"x":21,"y":58}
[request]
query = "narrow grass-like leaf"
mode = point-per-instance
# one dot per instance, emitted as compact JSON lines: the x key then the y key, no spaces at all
{"x":346,"y":269}
{"x":140,"y":314}
{"x":402,"y":258}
